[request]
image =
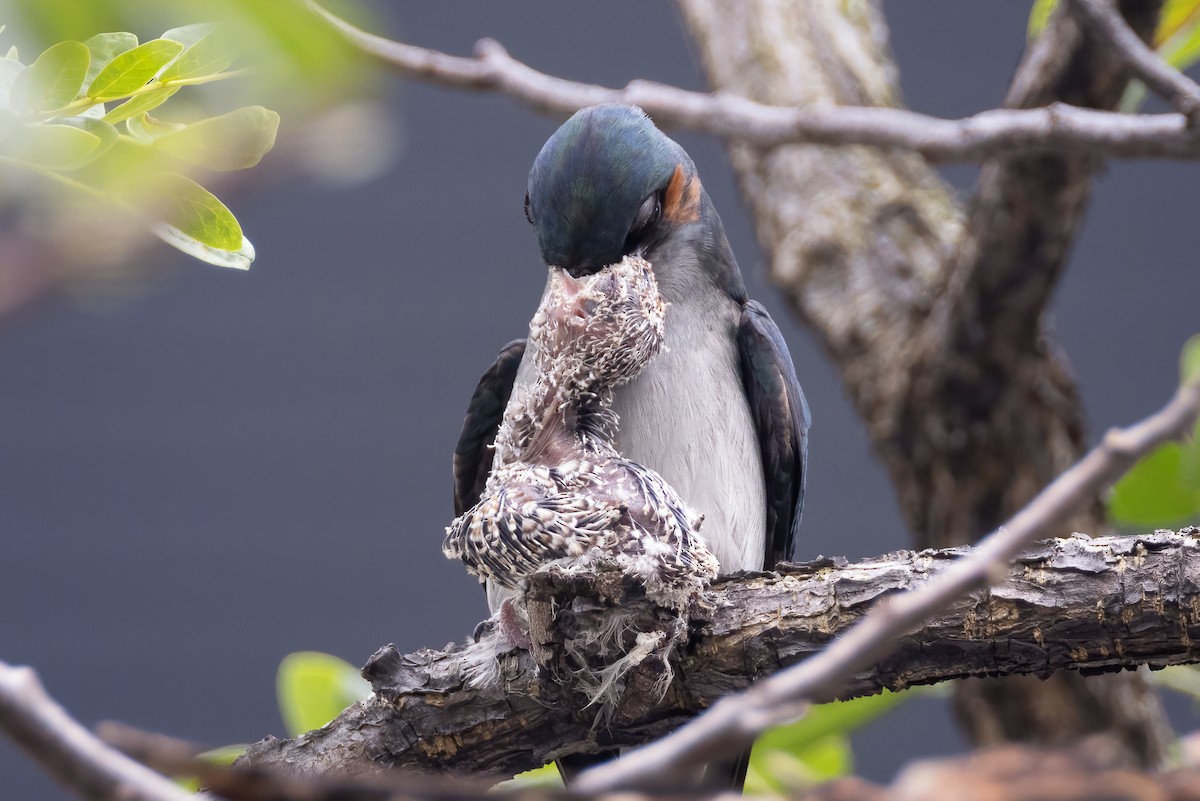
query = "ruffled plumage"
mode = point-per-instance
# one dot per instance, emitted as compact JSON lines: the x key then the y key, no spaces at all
{"x":559,"y":492}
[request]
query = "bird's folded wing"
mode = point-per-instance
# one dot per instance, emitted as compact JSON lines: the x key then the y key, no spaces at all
{"x":781,"y":418}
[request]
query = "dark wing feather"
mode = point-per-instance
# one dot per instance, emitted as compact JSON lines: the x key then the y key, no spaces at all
{"x":473,"y":454}
{"x":782,"y":419}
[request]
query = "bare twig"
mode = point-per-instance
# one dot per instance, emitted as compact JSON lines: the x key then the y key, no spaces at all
{"x":734,"y":722}
{"x":1105,"y":21}
{"x":1005,"y":774}
{"x":983,"y":135}
{"x":68,"y":751}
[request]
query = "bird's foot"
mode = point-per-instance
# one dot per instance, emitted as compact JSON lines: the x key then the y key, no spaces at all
{"x":512,"y":626}
{"x":482,"y":629}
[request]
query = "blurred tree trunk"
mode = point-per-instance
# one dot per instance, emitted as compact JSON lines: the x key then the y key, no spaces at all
{"x":935,"y":315}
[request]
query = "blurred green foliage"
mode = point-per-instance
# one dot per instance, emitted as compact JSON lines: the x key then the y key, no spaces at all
{"x":1177,"y":39}
{"x":313,"y":688}
{"x":1178,"y":36}
{"x":1163,"y":489}
{"x":285,"y":45}
{"x":226,"y":755}
{"x":141,"y":126}
{"x":815,"y":748}
{"x":791,"y":758}
{"x":79,"y":114}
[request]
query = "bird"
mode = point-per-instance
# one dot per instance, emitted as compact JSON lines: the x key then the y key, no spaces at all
{"x":560,"y":490}
{"x":720,"y":413}
{"x":561,"y":494}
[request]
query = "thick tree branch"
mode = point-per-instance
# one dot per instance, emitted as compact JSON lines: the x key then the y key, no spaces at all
{"x":727,"y":115}
{"x":991,"y":393}
{"x":986,"y":351}
{"x":1136,"y":605}
{"x":69,"y":752}
{"x":889,"y":278}
{"x":967,"y":403}
{"x":1074,"y":604}
{"x":737,"y":720}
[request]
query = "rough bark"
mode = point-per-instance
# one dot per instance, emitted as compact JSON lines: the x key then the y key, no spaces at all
{"x":1080,"y":604}
{"x":934,"y":316}
{"x":1004,"y":396}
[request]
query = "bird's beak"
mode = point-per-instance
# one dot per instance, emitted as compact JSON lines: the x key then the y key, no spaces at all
{"x":569,"y":284}
{"x":571,"y":304}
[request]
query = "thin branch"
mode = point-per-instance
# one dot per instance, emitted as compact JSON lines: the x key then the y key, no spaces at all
{"x":1025,"y":214}
{"x":1005,"y":774}
{"x":734,"y":722}
{"x":1103,"y":20}
{"x":974,"y":138}
{"x":68,"y":751}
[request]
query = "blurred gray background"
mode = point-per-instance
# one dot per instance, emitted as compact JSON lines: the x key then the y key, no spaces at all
{"x":229,"y":467}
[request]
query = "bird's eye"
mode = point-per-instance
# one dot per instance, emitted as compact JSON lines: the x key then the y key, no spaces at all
{"x":528,"y":214}
{"x":648,"y":214}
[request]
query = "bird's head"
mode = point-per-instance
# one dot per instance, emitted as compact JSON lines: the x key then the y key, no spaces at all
{"x":608,"y":184}
{"x":601,"y":329}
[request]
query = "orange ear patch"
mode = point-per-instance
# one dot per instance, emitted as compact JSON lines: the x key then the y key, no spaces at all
{"x":682,"y":201}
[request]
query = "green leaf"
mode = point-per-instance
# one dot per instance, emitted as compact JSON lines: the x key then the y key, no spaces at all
{"x":239,"y":259}
{"x":783,"y":772}
{"x":188,"y":35}
{"x":1177,"y":38}
{"x":1180,"y":678}
{"x":822,"y":720}
{"x":225,"y":755}
{"x":828,"y":758}
{"x":135,"y":106}
{"x":1185,"y":52}
{"x":54,"y":146}
{"x":117,"y":171}
{"x":1039,"y":16}
{"x":1189,"y":361}
{"x":1133,"y":97}
{"x":206,"y":53}
{"x":104,"y":48}
{"x":190,"y":218}
{"x":129,"y":72}
{"x":105,"y":132}
{"x":816,"y":747}
{"x":1175,"y":17}
{"x":56,"y":77}
{"x":1155,"y":493}
{"x":146,"y":128}
{"x":232,"y":141}
{"x":1163,"y":489}
{"x":545,"y":776}
{"x":313,"y":688}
